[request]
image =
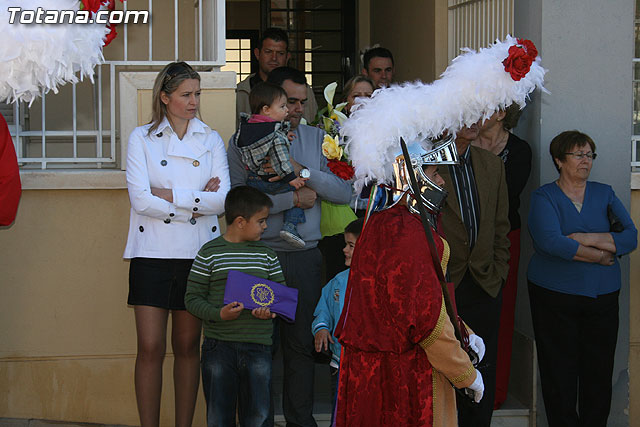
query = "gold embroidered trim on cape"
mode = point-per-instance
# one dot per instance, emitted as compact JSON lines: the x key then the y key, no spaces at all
{"x":446,"y":253}
{"x":464,"y":376}
{"x":437,"y":331}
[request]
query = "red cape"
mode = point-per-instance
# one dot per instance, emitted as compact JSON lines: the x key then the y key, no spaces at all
{"x":392,"y":303}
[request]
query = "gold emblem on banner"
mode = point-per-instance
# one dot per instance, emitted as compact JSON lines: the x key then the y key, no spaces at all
{"x":262,"y":294}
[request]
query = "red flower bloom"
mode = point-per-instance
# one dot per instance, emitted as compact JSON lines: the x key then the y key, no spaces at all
{"x":94,"y":5}
{"x":530,"y":48}
{"x":518,"y":63}
{"x":110,"y":35}
{"x":341,"y":169}
{"x":91,"y":5}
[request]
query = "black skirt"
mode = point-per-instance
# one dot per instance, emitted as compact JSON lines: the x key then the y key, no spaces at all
{"x":158,"y":282}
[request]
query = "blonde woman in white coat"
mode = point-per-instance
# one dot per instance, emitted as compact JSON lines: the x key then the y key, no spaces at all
{"x":178,"y":177}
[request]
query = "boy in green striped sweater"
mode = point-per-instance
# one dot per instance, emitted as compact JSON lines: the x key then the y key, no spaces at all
{"x":236,"y":353}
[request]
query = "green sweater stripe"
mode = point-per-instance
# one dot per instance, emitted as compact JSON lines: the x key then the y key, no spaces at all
{"x":206,"y":284}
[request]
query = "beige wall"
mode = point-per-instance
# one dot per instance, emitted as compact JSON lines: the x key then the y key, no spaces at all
{"x":441,"y":37}
{"x":409,"y":32}
{"x":68,"y":337}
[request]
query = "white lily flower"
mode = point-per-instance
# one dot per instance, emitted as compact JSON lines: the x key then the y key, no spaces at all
{"x":329,"y":92}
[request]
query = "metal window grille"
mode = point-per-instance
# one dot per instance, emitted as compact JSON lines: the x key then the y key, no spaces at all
{"x":635,"y":160}
{"x":478,"y":23}
{"x":321,"y":38}
{"x":238,"y":53}
{"x":308,"y":61}
{"x":78,"y":127}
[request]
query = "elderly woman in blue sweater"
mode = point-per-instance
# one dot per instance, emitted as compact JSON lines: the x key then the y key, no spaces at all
{"x":579,"y":228}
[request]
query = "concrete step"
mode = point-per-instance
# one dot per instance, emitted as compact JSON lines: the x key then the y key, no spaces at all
{"x":512,"y":414}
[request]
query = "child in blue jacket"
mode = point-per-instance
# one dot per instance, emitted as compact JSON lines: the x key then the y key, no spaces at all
{"x":330,"y":305}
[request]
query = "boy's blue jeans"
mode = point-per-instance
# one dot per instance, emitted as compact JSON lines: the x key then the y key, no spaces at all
{"x":293,"y":216}
{"x":236,"y":371}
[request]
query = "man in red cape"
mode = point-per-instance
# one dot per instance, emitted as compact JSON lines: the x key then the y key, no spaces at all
{"x":400,"y":355}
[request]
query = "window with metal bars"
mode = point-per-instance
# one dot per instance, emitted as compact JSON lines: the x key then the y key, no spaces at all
{"x":321,"y":38}
{"x":239,"y":46}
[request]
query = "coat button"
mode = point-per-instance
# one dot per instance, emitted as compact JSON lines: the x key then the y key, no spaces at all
{"x":172,"y":214}
{"x":192,"y":221}
{"x":196,"y":163}
{"x":214,"y":228}
{"x":141,"y":228}
{"x":163,"y":163}
{"x":197,"y":200}
{"x":159,"y":135}
{"x":195,"y":209}
{"x":167,"y":221}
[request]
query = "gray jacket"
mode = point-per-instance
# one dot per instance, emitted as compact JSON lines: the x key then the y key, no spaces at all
{"x":306,"y":149}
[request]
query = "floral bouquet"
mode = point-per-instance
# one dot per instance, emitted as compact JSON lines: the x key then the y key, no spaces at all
{"x":334,"y":217}
{"x":333,"y":147}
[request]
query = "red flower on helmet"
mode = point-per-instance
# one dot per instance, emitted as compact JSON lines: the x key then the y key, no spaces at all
{"x":529,"y":47}
{"x":93,"y":6}
{"x":518,"y":63}
{"x":110,"y":35}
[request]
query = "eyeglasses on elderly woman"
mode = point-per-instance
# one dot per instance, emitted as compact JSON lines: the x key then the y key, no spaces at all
{"x":581,"y":155}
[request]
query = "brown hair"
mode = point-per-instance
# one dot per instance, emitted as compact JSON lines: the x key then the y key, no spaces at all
{"x":168,"y":81}
{"x":511,"y":116}
{"x":264,"y":93}
{"x":567,"y":140}
{"x":348,"y":86}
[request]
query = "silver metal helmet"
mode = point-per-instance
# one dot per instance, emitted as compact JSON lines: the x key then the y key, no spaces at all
{"x":424,"y":153}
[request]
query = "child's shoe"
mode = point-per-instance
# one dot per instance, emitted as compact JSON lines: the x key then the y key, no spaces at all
{"x":289,"y":234}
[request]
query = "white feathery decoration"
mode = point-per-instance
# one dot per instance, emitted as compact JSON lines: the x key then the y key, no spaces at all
{"x":36,"y":57}
{"x":473,"y":87}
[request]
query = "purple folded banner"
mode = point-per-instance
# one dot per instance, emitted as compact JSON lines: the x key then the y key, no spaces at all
{"x":254,"y":292}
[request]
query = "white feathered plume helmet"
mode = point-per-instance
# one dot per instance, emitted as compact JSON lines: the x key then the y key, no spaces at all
{"x":37,"y":56}
{"x":474,"y":86}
